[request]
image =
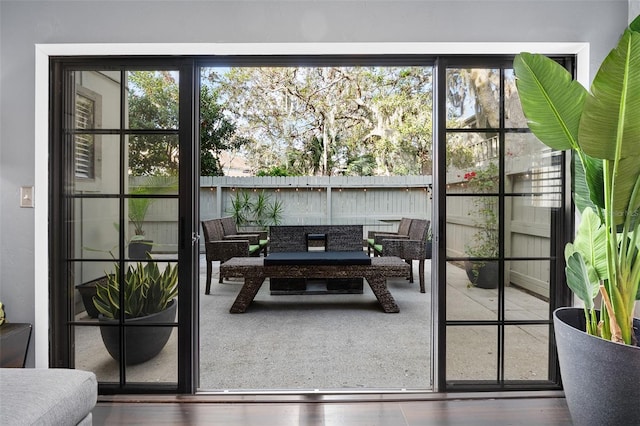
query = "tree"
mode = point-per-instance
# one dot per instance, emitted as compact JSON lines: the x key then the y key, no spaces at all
{"x":318,"y":120}
{"x":153,"y":105}
{"x":217,"y":133}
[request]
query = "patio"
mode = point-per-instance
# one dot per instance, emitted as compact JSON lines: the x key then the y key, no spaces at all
{"x":337,"y":342}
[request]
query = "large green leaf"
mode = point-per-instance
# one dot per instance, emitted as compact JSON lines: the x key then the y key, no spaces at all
{"x":578,"y":280}
{"x":551,"y":100}
{"x":590,"y":241}
{"x":610,"y":125}
{"x":588,"y":183}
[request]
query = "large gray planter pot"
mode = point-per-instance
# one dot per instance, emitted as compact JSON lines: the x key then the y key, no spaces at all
{"x":482,"y":274}
{"x":142,"y":343}
{"x":601,"y":379}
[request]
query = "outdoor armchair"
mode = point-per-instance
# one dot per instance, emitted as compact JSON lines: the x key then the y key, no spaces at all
{"x":230,"y":232}
{"x":374,"y":238}
{"x":412,"y":248}
{"x":219,"y":249}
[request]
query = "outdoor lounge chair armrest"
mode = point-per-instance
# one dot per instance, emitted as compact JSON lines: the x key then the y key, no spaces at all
{"x":224,"y":250}
{"x":381,"y":238}
{"x":405,"y":248}
{"x":262,"y":235}
{"x":252,"y":238}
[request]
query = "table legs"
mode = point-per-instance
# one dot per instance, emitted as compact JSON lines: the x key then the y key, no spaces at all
{"x":247,"y":294}
{"x":252,"y":285}
{"x":378,"y":285}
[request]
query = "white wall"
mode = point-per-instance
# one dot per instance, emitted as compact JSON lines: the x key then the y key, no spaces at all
{"x":23,"y":24}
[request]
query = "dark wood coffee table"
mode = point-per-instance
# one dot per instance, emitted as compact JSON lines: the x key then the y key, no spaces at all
{"x":255,"y":270}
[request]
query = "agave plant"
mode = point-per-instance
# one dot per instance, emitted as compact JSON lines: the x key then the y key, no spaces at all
{"x":602,"y":128}
{"x":146,"y":291}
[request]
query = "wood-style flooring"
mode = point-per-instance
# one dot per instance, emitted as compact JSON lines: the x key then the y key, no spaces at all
{"x":479,"y":411}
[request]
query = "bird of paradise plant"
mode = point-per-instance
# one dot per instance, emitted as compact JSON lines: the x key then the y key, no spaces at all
{"x":602,"y":127}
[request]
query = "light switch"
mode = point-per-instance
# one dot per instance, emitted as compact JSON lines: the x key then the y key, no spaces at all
{"x":26,"y":196}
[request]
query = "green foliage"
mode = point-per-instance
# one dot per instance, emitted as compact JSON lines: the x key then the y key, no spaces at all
{"x":139,"y":206}
{"x":318,"y":119}
{"x":217,"y":133}
{"x":153,"y":105}
{"x":146,"y":290}
{"x":603,"y":130}
{"x":485,"y":212}
{"x":274,"y":171}
{"x":257,"y":210}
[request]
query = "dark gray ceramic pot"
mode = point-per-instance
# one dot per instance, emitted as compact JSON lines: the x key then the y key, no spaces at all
{"x":486,"y":276}
{"x":142,"y":343}
{"x":601,"y":379}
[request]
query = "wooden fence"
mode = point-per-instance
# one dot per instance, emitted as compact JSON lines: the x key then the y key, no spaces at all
{"x":364,"y":200}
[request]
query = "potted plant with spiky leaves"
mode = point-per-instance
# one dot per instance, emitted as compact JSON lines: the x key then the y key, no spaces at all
{"x":148,"y":296}
{"x":598,"y":351}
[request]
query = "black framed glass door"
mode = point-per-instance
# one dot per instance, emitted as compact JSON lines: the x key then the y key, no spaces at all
{"x":124,"y":142}
{"x":122,"y":222}
{"x":503,"y":203}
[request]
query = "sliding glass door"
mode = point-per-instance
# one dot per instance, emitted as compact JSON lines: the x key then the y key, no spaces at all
{"x":125,"y":198}
{"x":504,"y":199}
{"x":122,"y":221}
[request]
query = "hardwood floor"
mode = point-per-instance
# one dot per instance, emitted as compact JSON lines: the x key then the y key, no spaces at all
{"x":449,"y":411}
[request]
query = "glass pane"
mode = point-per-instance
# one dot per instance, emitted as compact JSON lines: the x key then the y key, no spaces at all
{"x":472,"y":226}
{"x":151,"y":289}
{"x":533,"y":169}
{"x":94,"y":344}
{"x":96,"y":164}
{"x":466,"y":301}
{"x":91,"y":355}
{"x":152,"y":99}
{"x":153,"y":155}
{"x":95,"y":227}
{"x":84,"y":277}
{"x":472,"y":353}
{"x":152,"y":227}
{"x":96,"y":100}
{"x":163,"y":367}
{"x":526,"y":291}
{"x":468,"y":152}
{"x":473,"y":98}
{"x":527,"y":227}
{"x":526,"y":352}
{"x":513,"y":115}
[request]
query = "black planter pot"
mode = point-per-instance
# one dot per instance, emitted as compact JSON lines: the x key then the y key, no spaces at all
{"x":486,"y":276}
{"x":601,"y":379}
{"x":142,"y":343}
{"x":87,"y":291}
{"x":140,"y":249}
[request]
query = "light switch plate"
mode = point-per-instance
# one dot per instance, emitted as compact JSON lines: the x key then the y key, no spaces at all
{"x":26,"y":196}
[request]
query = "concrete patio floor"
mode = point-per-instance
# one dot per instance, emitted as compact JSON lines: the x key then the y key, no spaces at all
{"x":338,"y":342}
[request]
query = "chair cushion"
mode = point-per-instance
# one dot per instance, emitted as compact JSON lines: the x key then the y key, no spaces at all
{"x":371,"y":241}
{"x":253,"y":248}
{"x":378,"y":248}
{"x":264,"y":243}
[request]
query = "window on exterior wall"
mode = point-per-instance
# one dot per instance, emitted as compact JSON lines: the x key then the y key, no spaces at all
{"x":85,"y":144}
